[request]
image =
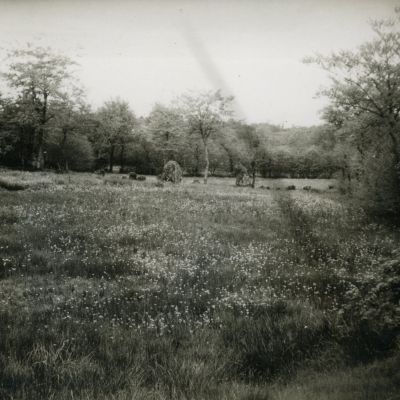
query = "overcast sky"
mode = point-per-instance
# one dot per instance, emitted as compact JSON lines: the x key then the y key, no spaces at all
{"x":151,"y":51}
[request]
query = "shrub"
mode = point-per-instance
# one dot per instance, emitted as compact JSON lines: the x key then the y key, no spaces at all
{"x":140,"y":178}
{"x":291,"y":187}
{"x":12,"y":186}
{"x":172,"y":172}
{"x":307,"y":188}
{"x":371,"y":313}
{"x":376,"y":186}
{"x":133,"y":175}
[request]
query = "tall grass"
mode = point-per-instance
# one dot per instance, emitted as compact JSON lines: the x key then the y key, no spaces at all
{"x":127,"y":290}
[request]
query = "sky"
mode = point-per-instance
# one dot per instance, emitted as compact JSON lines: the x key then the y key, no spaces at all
{"x":149,"y":52}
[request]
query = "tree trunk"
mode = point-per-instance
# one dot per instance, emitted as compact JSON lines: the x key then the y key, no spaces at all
{"x":197,"y":158}
{"x":40,"y":158}
{"x":43,"y":120}
{"x":28,"y":150}
{"x":37,"y":155}
{"x":253,"y":174}
{"x":63,"y":142}
{"x":207,"y":162}
{"x":231,"y":165}
{"x":122,"y":157}
{"x":111,"y":165}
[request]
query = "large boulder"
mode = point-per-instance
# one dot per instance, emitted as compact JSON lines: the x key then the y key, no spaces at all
{"x":172,"y":172}
{"x":242,"y":177}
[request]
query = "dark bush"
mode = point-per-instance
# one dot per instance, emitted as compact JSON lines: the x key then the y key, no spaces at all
{"x":291,"y":187}
{"x":140,"y":178}
{"x":133,"y":175}
{"x":371,"y":312}
{"x":12,"y":186}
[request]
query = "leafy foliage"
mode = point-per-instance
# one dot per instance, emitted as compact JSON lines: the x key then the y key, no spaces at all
{"x":365,"y":110}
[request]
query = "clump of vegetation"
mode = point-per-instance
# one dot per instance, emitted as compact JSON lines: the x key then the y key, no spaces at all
{"x":133,"y":175}
{"x":172,"y":172}
{"x":291,"y":187}
{"x":371,"y":314}
{"x":140,"y":178}
{"x":11,"y":185}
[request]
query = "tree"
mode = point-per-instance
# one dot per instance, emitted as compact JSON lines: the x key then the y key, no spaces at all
{"x":115,"y":131}
{"x":365,"y":99}
{"x":71,"y":119}
{"x":204,"y":114}
{"x":68,"y":144}
{"x":38,"y":78}
{"x":165,"y":128}
{"x":8,"y":136}
{"x":230,"y":145}
{"x":249,"y":135}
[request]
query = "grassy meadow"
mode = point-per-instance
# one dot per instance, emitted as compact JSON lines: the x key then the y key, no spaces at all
{"x":119,"y":289}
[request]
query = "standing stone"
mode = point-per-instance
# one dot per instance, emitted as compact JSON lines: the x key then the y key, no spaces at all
{"x":172,"y":172}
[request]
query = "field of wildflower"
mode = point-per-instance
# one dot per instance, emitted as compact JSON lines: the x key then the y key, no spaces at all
{"x":119,"y":289}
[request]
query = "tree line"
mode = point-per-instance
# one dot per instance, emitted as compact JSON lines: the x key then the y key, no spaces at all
{"x":45,"y":122}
